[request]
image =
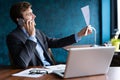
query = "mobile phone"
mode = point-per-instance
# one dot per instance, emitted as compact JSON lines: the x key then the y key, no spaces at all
{"x":21,"y":21}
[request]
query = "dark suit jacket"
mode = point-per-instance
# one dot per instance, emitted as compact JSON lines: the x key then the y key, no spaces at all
{"x":23,"y":51}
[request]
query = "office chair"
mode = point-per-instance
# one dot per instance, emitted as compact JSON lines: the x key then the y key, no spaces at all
{"x":52,"y":57}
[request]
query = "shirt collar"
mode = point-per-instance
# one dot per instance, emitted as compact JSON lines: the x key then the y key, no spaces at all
{"x":23,"y":29}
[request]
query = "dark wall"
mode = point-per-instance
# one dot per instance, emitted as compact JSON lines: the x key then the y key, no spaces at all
{"x":56,"y":18}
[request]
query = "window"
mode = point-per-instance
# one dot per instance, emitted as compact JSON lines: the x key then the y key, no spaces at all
{"x":114,"y":24}
{"x":118,"y":14}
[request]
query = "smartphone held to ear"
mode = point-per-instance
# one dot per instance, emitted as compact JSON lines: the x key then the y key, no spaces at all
{"x":21,"y":21}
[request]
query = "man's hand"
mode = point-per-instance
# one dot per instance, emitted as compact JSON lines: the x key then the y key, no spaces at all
{"x":85,"y":31}
{"x":30,"y":27}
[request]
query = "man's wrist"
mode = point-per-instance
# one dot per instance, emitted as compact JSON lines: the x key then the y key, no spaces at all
{"x":77,"y":38}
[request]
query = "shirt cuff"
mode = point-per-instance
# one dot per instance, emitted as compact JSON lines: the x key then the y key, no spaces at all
{"x":33,"y":38}
{"x":77,"y":38}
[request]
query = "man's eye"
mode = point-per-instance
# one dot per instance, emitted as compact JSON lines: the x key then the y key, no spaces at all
{"x":28,"y":14}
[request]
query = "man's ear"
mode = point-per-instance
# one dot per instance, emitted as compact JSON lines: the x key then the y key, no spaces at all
{"x":18,"y":19}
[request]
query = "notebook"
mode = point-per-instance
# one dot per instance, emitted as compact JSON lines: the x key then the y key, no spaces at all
{"x":87,"y":61}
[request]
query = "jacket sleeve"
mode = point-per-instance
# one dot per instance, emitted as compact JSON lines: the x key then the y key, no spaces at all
{"x":59,"y":42}
{"x":21,"y":53}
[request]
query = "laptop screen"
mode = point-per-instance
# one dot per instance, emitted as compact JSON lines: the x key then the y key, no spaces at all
{"x":88,"y":61}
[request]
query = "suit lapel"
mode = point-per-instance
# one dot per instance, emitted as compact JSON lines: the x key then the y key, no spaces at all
{"x":39,"y":37}
{"x":23,"y":37}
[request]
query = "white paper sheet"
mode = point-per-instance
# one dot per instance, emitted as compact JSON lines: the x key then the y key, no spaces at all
{"x":26,"y":72}
{"x":56,"y":67}
{"x":86,"y":14}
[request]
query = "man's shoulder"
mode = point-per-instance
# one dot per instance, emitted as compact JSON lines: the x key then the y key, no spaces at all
{"x":13,"y":31}
{"x":39,"y":32}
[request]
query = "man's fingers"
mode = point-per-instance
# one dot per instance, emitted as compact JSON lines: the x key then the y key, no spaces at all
{"x":86,"y":31}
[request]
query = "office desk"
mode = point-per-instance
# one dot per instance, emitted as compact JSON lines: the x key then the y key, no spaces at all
{"x":113,"y":74}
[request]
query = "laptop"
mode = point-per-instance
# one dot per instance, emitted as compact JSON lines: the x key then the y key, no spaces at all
{"x":87,"y":61}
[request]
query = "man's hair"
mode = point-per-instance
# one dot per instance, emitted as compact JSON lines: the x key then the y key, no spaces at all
{"x":17,"y":9}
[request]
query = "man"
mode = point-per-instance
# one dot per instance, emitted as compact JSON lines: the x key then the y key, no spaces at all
{"x":27,"y":45}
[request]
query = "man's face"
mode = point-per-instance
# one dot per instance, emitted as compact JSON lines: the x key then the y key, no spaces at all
{"x":28,"y":14}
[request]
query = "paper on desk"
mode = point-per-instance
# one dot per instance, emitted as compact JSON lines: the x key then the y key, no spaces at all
{"x":86,"y":14}
{"x":49,"y":69}
{"x":56,"y":67}
{"x":25,"y":73}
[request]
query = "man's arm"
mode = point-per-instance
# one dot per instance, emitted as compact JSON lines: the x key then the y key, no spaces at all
{"x":20,"y":53}
{"x":62,"y":42}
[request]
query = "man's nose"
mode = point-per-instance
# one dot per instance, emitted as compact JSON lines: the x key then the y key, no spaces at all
{"x":33,"y":15}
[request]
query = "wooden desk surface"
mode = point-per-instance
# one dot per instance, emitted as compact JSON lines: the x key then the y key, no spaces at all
{"x":113,"y":74}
